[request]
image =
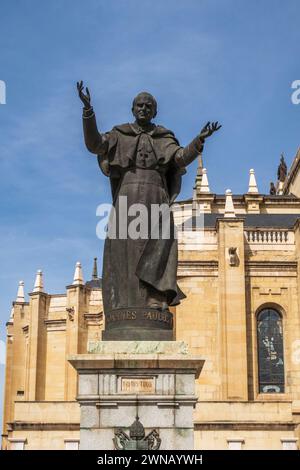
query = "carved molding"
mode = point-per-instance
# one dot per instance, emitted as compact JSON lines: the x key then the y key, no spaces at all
{"x":266,"y":426}
{"x":56,"y":325}
{"x":22,"y":425}
{"x":25,"y":329}
{"x":271,"y":268}
{"x":188,"y":268}
{"x":93,"y":318}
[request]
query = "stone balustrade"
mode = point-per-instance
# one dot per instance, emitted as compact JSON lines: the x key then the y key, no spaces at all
{"x":272,"y":236}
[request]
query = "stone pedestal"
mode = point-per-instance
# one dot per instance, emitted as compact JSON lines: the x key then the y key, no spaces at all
{"x":122,"y":380}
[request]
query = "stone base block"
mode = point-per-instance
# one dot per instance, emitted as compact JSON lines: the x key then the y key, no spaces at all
{"x":129,"y":385}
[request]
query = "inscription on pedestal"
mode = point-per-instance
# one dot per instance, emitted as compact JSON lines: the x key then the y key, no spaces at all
{"x":138,"y":317}
{"x":137,"y":385}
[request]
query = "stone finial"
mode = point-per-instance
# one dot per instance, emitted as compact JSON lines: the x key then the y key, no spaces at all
{"x":11,"y":318}
{"x":38,"y":285}
{"x":194,"y":194}
{"x":280,"y":185}
{"x":20,"y":293}
{"x":253,"y":189}
{"x":229,"y":207}
{"x":78,"y":276}
{"x":204,"y":186}
{"x":198,"y":177}
{"x":95,"y":270}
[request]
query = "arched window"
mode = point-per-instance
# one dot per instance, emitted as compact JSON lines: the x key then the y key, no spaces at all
{"x":270,"y":352}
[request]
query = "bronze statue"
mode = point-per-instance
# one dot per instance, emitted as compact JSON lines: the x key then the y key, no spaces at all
{"x":145,"y":163}
{"x":282,"y":170}
{"x":272,"y":189}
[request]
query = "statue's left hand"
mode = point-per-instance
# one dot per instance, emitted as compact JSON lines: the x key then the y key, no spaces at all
{"x":209,"y":129}
{"x":86,"y":99}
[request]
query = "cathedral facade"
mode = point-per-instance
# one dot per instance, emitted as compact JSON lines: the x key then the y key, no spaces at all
{"x":239,"y":266}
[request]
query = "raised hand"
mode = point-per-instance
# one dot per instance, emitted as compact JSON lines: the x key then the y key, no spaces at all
{"x":209,"y":129}
{"x":86,"y":99}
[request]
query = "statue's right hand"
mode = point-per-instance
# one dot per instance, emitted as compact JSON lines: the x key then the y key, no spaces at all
{"x":209,"y":129}
{"x":86,"y":99}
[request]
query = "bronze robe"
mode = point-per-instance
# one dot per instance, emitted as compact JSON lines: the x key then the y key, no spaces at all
{"x":141,"y":166}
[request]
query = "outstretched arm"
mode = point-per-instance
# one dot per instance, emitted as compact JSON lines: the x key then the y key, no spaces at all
{"x":92,"y":137}
{"x":191,"y":151}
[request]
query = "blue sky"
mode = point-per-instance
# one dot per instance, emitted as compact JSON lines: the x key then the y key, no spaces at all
{"x":227,"y":60}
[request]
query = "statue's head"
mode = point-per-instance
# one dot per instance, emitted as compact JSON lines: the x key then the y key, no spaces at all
{"x":144,"y":108}
{"x":282,"y":160}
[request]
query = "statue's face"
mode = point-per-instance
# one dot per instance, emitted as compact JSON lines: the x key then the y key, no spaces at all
{"x":143,"y":109}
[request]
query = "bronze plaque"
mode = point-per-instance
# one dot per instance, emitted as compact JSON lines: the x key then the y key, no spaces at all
{"x":137,"y":385}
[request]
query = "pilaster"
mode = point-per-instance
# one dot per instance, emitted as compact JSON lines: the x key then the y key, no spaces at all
{"x":76,"y":334}
{"x":37,"y":347}
{"x":232,"y":309}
